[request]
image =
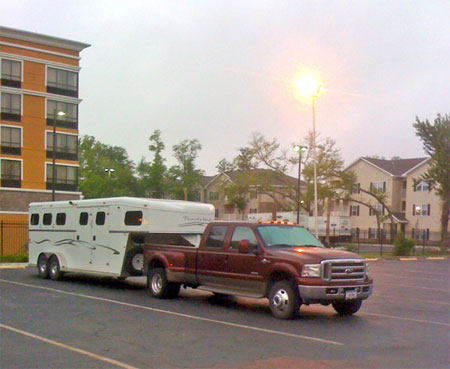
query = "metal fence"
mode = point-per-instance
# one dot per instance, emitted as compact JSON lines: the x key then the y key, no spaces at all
{"x":373,"y":236}
{"x":13,"y":238}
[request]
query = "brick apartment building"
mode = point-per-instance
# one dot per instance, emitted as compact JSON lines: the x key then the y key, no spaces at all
{"x":39,"y":77}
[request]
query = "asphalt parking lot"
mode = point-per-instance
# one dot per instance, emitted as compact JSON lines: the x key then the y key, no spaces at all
{"x":87,"y":322}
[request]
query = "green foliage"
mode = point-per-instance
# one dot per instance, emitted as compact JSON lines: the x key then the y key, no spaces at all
{"x":436,"y":142}
{"x":16,"y":258}
{"x":403,"y":246}
{"x":94,"y":158}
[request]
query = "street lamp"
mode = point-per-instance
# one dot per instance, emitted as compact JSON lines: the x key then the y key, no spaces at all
{"x":109,"y":171}
{"x":56,"y":113}
{"x":309,"y":88}
{"x":299,"y":149}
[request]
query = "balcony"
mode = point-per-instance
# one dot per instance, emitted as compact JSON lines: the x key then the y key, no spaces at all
{"x":13,"y":117}
{"x":64,"y":155}
{"x":11,"y":182}
{"x":62,"y":186}
{"x":9,"y":150}
{"x":66,"y":123}
{"x":62,"y":91}
{"x":11,"y":83}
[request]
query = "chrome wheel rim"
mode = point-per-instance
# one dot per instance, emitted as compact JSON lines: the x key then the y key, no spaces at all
{"x":156,"y":283}
{"x":280,"y":300}
{"x":42,"y":266}
{"x":54,"y":268}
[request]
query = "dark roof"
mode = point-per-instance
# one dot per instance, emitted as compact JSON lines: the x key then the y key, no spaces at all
{"x":396,"y":167}
{"x":278,"y":179}
{"x":400,"y":217}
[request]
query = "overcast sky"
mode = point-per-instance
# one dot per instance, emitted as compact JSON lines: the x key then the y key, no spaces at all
{"x":220,"y":70}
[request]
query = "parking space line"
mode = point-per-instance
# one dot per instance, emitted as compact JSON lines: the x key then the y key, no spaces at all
{"x":407,"y":319}
{"x":431,"y":302}
{"x":67,"y":347}
{"x":416,"y":287}
{"x":194,"y":317}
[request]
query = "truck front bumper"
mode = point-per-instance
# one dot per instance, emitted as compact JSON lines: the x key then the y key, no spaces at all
{"x":327,"y":294}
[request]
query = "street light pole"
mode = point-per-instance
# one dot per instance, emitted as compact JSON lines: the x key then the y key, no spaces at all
{"x":61,"y":114}
{"x":316,"y":222}
{"x":299,"y":148}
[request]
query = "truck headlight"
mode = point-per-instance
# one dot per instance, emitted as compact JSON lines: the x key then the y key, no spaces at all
{"x":311,"y":270}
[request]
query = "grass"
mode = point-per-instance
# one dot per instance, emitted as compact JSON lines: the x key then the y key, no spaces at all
{"x":18,"y":258}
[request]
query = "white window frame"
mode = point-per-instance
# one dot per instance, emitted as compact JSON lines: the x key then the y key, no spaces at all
{"x":11,"y":126}
{"x":13,"y":59}
{"x":64,"y":69}
{"x":21,"y":166}
{"x":422,"y":186}
{"x":56,"y":164}
{"x":376,"y":187}
{"x":58,"y":133}
{"x":13,"y":93}
{"x":62,"y":100}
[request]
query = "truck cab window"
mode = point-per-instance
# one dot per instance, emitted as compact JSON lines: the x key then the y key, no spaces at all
{"x":60,"y":218}
{"x":34,"y":220}
{"x":243,"y":233}
{"x":133,"y":218}
{"x":47,"y":219}
{"x":84,"y":217}
{"x":100,"y":218}
{"x":216,"y":236}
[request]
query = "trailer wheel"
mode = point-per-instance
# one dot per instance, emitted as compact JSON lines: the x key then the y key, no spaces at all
{"x":347,"y":307}
{"x":284,"y":300}
{"x":135,"y":262}
{"x":159,"y":287}
{"x":42,"y":266}
{"x":54,"y":270}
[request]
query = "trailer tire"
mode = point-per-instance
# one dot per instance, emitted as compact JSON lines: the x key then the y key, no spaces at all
{"x":347,"y":307}
{"x":42,"y":265}
{"x":54,"y":270}
{"x":284,"y":300}
{"x":159,"y":286}
{"x":135,"y":262}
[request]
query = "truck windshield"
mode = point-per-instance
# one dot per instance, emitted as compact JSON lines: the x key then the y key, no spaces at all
{"x":287,"y":236}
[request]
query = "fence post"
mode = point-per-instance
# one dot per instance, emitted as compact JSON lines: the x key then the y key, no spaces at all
{"x":1,"y":238}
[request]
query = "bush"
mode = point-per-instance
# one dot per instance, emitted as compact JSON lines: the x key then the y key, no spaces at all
{"x":403,"y":246}
{"x":17,"y":258}
{"x":352,"y":248}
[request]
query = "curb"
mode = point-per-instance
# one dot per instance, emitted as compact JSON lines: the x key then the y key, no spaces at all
{"x":411,"y":258}
{"x":10,"y":266}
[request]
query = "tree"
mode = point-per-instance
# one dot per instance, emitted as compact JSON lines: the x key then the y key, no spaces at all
{"x":94,"y":158}
{"x":185,"y":176}
{"x":224,"y":166}
{"x":436,"y":142}
{"x":152,"y":176}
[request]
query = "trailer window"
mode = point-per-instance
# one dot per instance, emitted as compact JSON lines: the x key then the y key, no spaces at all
{"x":84,"y":217}
{"x":100,"y":218}
{"x":60,"y":218}
{"x":47,"y":219}
{"x":34,"y":220}
{"x":133,"y":218}
{"x":216,"y":236}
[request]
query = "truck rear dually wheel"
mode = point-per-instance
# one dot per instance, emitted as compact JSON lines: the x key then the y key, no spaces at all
{"x":284,"y":300}
{"x":159,"y":287}
{"x":347,"y":307}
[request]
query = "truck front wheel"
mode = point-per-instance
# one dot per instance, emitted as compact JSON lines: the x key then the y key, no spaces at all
{"x":159,"y":287}
{"x":284,"y":300}
{"x":347,"y":307}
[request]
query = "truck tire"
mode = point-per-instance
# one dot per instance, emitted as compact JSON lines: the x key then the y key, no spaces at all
{"x":284,"y":300}
{"x":159,"y":287}
{"x":54,"y":270}
{"x":135,"y":262}
{"x":42,"y":266}
{"x":347,"y":307}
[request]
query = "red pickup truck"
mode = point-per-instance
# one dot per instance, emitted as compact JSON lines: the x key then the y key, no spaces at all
{"x":280,"y":261}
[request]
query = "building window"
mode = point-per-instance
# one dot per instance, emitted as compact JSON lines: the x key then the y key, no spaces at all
{"x":356,"y":189}
{"x":354,"y":210}
{"x":11,"y":73}
{"x":424,"y":209}
{"x":420,"y":234}
{"x":11,"y":107}
{"x":66,"y":146}
{"x":66,"y":177}
{"x":62,"y":82}
{"x":421,"y":186}
{"x":69,"y":120}
{"x":403,"y":205}
{"x":378,"y":187}
{"x":253,"y":210}
{"x":213,"y":196}
{"x":10,"y":140}
{"x":376,"y":209}
{"x":254,"y":195}
{"x":11,"y":173}
{"x":216,"y":213}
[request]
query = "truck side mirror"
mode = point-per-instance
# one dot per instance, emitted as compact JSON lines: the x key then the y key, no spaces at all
{"x":244,"y":246}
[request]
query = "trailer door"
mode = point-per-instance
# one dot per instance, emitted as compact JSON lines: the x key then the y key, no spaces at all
{"x":101,"y":250}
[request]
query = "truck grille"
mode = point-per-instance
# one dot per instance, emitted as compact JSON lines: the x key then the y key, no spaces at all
{"x":344,"y":270}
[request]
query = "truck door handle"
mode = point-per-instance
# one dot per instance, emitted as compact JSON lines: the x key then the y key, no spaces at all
{"x":265,"y":261}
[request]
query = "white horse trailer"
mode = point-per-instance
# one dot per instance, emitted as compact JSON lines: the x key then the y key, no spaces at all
{"x":105,"y":236}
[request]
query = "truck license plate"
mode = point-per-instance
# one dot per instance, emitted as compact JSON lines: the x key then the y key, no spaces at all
{"x":350,"y":295}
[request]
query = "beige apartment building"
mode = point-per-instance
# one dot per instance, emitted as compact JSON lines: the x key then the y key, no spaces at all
{"x":416,"y":210}
{"x":258,"y":201}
